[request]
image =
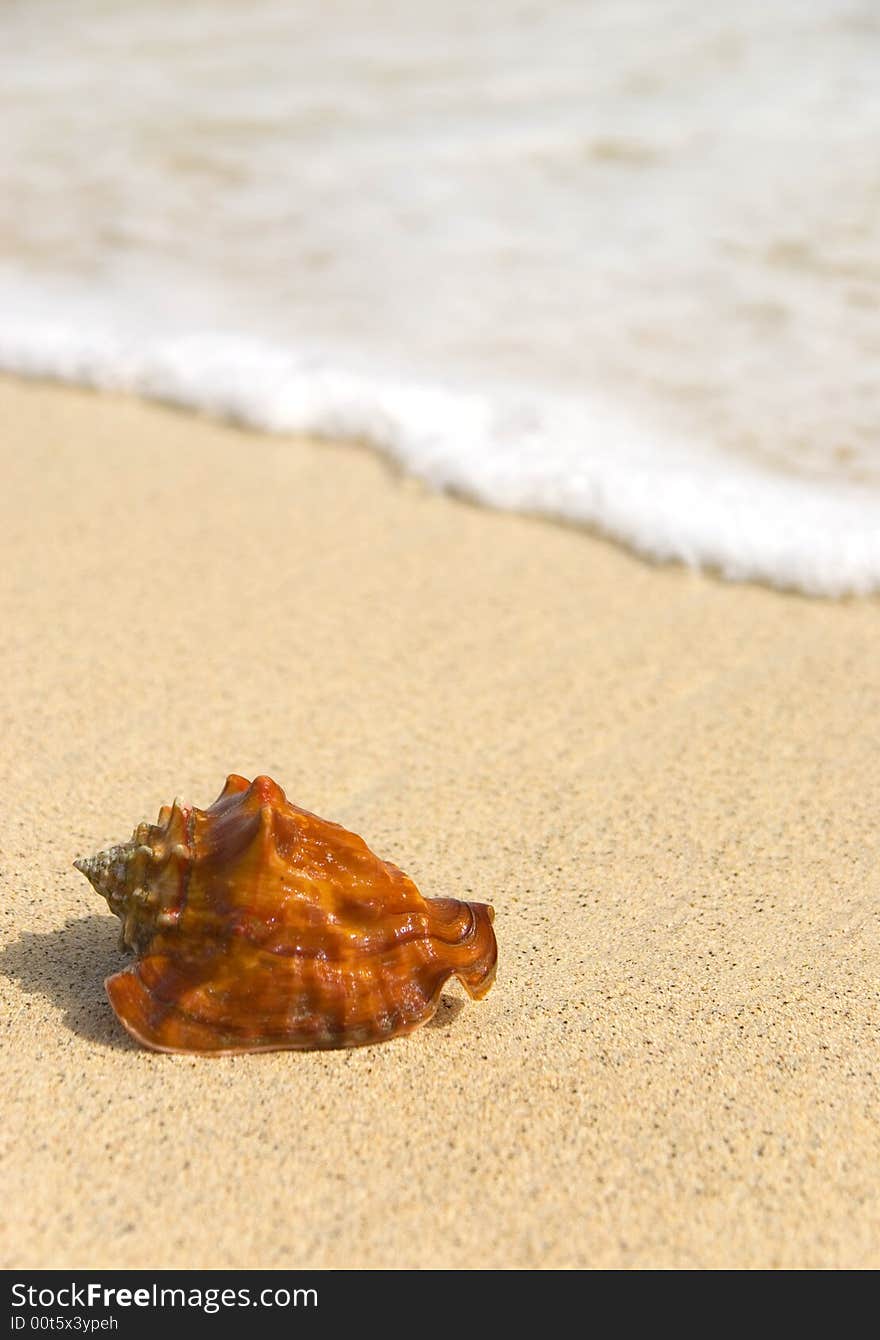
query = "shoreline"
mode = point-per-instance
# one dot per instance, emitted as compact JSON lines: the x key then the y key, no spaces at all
{"x":584,"y":460}
{"x":665,"y":784}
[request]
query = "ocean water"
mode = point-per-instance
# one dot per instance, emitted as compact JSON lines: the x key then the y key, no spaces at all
{"x":612,"y":261}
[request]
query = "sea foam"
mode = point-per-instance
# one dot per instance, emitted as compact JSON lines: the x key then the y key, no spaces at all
{"x":568,"y":459}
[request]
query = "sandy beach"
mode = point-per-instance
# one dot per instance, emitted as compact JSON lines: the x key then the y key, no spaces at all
{"x":666,"y":785}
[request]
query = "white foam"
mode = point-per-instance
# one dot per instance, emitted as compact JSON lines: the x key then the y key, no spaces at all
{"x":575,"y":460}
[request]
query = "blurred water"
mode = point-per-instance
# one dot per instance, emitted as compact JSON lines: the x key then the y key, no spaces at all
{"x":616,"y":261}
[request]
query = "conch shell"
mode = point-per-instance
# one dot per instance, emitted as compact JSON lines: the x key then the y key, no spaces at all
{"x":256,"y":926}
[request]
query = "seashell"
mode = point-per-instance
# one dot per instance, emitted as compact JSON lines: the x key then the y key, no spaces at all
{"x":256,"y":925}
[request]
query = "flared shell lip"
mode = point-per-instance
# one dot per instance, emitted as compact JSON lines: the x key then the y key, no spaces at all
{"x":305,"y":1045}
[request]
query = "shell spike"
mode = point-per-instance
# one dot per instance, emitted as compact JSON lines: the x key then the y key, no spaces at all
{"x":267,"y":791}
{"x":233,"y":786}
{"x":175,"y":829}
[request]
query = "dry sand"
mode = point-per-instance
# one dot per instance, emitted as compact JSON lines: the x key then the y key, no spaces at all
{"x":667,"y":786}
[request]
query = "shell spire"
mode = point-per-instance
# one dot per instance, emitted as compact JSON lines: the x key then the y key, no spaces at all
{"x":257,"y":925}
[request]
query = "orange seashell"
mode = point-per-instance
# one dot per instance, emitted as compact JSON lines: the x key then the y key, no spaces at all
{"x":256,"y":926}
